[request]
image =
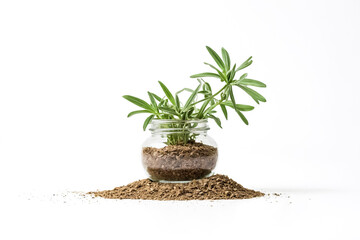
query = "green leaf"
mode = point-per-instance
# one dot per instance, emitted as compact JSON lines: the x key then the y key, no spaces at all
{"x":245,"y":64}
{"x":226,"y":58}
{"x":147,"y":121}
{"x":222,"y":76}
{"x":228,"y":75}
{"x":254,"y":94}
{"x":192,"y":97}
{"x":188,"y":113}
{"x":216,"y":119}
{"x":223,"y":108}
{"x":212,"y":106}
{"x":205,"y":74}
{"x":204,"y":92}
{"x":251,"y":82}
{"x":234,"y":104}
{"x":232,"y":74}
{"x":232,"y":96}
{"x":184,"y":89}
{"x":139,"y":102}
{"x":153,"y":102}
{"x":216,"y":57}
{"x":243,"y":117}
{"x":168,"y":110}
{"x":177,"y":101}
{"x":162,"y":102}
{"x":137,"y":112}
{"x":200,"y":113}
{"x":167,"y":93}
{"x":243,"y":76}
{"x":212,"y":66}
{"x":207,"y":87}
{"x":157,"y":97}
{"x":240,"y":107}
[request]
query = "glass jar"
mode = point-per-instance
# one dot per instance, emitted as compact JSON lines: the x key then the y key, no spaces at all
{"x":179,"y":150}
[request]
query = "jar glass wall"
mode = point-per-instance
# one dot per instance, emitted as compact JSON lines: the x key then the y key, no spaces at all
{"x":179,"y":150}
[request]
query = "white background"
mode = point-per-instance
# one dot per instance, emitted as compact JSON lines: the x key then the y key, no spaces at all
{"x":64,"y":66}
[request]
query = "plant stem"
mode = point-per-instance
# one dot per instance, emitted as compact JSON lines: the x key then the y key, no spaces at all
{"x":217,"y":93}
{"x":212,"y":107}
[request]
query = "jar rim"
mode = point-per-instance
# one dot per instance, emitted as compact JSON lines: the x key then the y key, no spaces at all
{"x":166,"y":125}
{"x":179,"y":120}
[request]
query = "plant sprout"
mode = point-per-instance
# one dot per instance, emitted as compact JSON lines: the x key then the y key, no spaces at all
{"x":202,"y":101}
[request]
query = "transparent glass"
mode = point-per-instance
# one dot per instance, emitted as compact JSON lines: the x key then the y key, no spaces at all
{"x":179,"y":150}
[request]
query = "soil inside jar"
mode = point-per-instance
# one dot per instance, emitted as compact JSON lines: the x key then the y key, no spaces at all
{"x":180,"y":162}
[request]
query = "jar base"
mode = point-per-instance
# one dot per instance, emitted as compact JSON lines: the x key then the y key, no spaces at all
{"x":179,"y":181}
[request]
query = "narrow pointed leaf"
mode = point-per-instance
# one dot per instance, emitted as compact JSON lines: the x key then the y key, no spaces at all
{"x":245,"y":64}
{"x":243,"y":118}
{"x":213,"y":67}
{"x":205,"y":74}
{"x":252,"y":82}
{"x":192,"y":97}
{"x":232,"y":73}
{"x":147,"y":121}
{"x":216,"y":119}
{"x":212,"y":106}
{"x":177,"y":101}
{"x":139,"y":102}
{"x":137,"y":112}
{"x":157,"y":97}
{"x":167,"y":93}
{"x":162,"y":102}
{"x":204,"y":92}
{"x":240,"y":107}
{"x":202,"y":109}
{"x":216,"y":57}
{"x":184,"y":89}
{"x":226,"y":58}
{"x":189,"y":112}
{"x":224,"y":110}
{"x":153,"y":102}
{"x":168,"y":110}
{"x":249,"y":93}
{"x":208,"y":87}
{"x":222,"y":76}
{"x":243,"y":76}
{"x":254,"y":94}
{"x":232,"y":98}
{"x":228,"y":75}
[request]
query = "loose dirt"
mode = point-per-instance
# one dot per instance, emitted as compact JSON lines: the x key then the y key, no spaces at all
{"x":215,"y":187}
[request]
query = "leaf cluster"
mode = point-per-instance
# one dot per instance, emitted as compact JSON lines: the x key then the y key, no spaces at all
{"x":202,"y":102}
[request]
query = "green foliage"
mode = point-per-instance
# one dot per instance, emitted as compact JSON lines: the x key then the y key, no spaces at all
{"x":202,"y":102}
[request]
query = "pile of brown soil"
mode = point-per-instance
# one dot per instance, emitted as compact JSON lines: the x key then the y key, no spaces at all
{"x":180,"y":162}
{"x":212,"y":188}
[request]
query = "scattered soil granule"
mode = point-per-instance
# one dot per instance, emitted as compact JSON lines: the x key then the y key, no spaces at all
{"x":212,"y":188}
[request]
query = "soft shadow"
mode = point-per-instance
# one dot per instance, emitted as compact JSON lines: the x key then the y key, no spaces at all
{"x":302,"y":190}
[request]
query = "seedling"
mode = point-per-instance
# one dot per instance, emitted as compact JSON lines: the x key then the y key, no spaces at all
{"x":202,"y":103}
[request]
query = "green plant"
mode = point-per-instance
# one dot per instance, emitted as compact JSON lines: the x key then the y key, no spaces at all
{"x":170,"y":106}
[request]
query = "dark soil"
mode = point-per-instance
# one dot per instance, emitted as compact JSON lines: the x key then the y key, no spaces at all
{"x":212,"y":188}
{"x":158,"y":174}
{"x":180,"y":162}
